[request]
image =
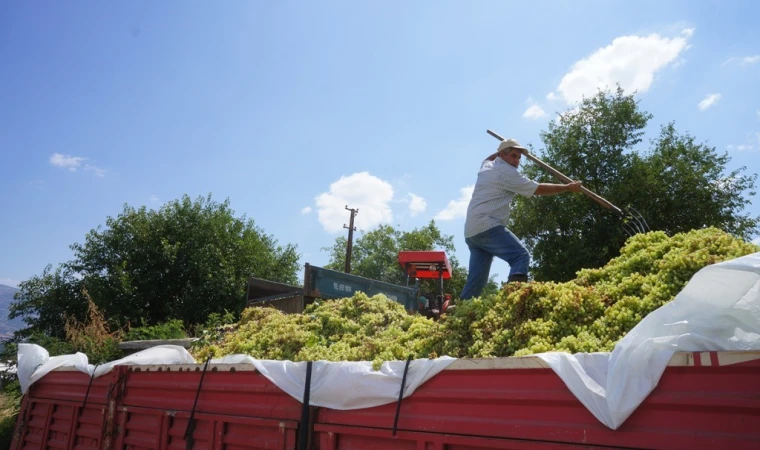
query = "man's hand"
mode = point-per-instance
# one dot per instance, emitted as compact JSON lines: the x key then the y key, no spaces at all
{"x":575,"y":186}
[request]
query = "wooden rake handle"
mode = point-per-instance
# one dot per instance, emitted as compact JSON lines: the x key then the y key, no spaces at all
{"x":565,"y":178}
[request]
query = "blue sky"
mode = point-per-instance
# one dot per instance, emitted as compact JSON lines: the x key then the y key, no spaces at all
{"x":293,"y":110}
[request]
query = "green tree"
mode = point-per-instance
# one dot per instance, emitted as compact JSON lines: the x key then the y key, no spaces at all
{"x":374,"y":255}
{"x":677,"y":186}
{"x":184,"y":261}
{"x":44,"y":301}
{"x":687,"y":187}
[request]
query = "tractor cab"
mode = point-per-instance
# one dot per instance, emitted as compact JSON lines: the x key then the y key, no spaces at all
{"x":431,"y":265}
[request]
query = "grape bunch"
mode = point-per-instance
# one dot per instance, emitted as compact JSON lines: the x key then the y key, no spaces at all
{"x":357,"y":328}
{"x":587,"y":314}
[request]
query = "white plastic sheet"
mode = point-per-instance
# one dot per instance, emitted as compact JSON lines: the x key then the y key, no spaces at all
{"x":160,"y":354}
{"x":34,"y":362}
{"x":346,"y":385}
{"x":719,"y":309}
{"x":336,"y":385}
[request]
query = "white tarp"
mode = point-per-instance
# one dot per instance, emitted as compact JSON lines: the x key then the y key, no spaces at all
{"x":336,"y":385}
{"x":346,"y":385}
{"x":719,"y":309}
{"x":34,"y":362}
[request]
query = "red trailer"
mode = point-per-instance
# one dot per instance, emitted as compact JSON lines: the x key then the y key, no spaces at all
{"x":705,"y":400}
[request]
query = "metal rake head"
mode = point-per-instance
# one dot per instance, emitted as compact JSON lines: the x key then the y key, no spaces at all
{"x":633,"y":222}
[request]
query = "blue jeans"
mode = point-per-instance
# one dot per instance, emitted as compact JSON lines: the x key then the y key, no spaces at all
{"x":497,"y":241}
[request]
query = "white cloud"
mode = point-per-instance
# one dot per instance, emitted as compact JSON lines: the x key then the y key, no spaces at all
{"x":10,"y":282}
{"x":534,"y":112}
{"x":752,"y":141}
{"x":73,"y":163}
{"x":457,"y":208}
{"x":362,"y":191}
{"x":756,"y":241}
{"x":417,"y":204}
{"x":154,"y":199}
{"x":743,"y":60}
{"x":66,"y":161}
{"x":98,"y":171}
{"x":631,"y":61}
{"x":709,"y":101}
{"x":306,"y":210}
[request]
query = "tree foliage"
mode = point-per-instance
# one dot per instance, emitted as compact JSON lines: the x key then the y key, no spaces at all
{"x":678,"y":185}
{"x":184,"y":261}
{"x":374,"y":255}
{"x":45,"y":301}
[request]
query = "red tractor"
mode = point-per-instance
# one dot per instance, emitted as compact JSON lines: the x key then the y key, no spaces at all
{"x":428,"y":265}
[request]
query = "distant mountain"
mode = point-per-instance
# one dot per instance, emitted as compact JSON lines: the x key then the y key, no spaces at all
{"x":7,"y":327}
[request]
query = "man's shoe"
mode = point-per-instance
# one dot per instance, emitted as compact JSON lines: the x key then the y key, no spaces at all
{"x":520,"y":278}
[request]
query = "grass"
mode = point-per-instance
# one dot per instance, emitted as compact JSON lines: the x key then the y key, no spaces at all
{"x":8,"y":414}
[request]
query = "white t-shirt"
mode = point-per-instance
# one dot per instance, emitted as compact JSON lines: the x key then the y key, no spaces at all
{"x":497,"y":184}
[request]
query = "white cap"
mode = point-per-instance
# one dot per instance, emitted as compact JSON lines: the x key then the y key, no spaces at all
{"x":511,"y":143}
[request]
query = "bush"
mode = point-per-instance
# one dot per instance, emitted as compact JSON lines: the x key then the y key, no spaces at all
{"x":173,"y":329}
{"x":7,"y":425}
{"x":213,"y":331}
{"x":92,"y":337}
{"x":10,"y":398}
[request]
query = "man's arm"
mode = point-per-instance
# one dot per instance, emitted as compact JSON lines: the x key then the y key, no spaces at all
{"x":551,"y":189}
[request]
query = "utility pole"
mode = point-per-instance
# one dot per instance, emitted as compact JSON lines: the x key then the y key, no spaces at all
{"x":351,"y":229}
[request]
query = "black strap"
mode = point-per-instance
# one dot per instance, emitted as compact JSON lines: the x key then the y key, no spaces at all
{"x":191,"y":421}
{"x":401,"y":394}
{"x":87,"y":394}
{"x":303,"y":429}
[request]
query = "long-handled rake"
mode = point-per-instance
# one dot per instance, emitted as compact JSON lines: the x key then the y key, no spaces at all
{"x":633,"y":222}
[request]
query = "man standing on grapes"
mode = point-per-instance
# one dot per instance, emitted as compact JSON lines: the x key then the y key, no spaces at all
{"x":485,"y":229}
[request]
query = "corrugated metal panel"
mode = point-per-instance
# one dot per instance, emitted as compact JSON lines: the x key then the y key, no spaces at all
{"x":333,"y":437}
{"x":36,"y":418}
{"x":225,"y":390}
{"x":703,"y":401}
{"x":692,"y":407}
{"x":71,"y":385}
{"x":145,"y":428}
{"x":55,"y":416}
{"x":58,"y":425}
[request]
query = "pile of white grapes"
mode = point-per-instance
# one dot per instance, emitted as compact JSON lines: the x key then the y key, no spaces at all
{"x":590,"y":313}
